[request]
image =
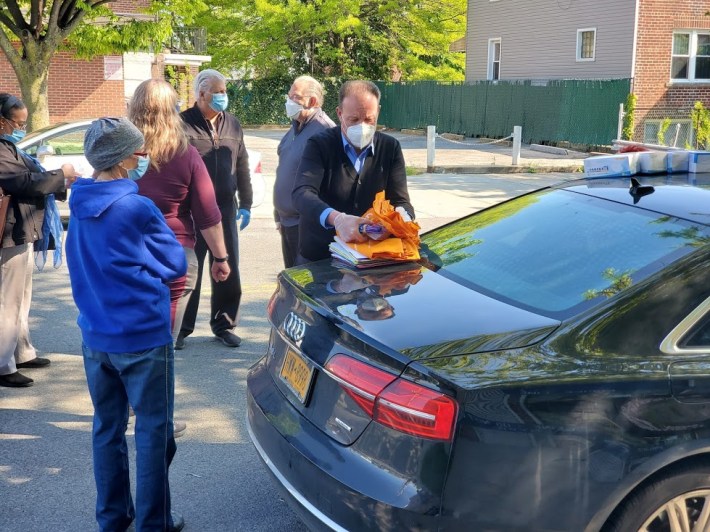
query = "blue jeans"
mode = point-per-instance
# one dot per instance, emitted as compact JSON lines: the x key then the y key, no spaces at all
{"x":144,"y":380}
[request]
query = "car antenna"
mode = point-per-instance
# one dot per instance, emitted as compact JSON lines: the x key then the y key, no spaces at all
{"x":637,"y":190}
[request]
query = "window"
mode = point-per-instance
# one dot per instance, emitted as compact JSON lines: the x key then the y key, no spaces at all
{"x":690,"y":58}
{"x":677,"y":133}
{"x":519,"y":252}
{"x":494,"y":59}
{"x":586,"y":44}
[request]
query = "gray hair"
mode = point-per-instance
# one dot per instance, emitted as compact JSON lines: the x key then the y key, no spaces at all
{"x":358,"y":86}
{"x":204,"y":80}
{"x":313,"y":88}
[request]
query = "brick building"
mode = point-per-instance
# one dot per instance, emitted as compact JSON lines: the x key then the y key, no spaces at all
{"x":663,"y":47}
{"x":80,"y":89}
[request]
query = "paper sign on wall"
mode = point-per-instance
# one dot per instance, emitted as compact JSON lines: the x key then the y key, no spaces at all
{"x":113,"y":67}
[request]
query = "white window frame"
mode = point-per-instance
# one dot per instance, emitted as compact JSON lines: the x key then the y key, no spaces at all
{"x":491,"y":60}
{"x":692,"y":56}
{"x":580,"y":32}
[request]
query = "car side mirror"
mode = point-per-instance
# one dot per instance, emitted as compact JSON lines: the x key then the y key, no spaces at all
{"x":44,"y":150}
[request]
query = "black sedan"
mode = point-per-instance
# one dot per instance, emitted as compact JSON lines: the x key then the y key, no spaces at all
{"x":545,"y":366}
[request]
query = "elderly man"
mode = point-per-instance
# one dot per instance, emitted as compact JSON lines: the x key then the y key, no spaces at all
{"x":303,"y":107}
{"x":341,"y":171}
{"x":219,"y":139}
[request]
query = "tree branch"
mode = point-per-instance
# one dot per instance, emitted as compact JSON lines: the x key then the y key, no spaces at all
{"x":4,"y":20}
{"x":16,"y":14}
{"x":12,"y":54}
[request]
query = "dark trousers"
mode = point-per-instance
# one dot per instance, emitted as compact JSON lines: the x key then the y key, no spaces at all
{"x":226,"y":296}
{"x":289,"y":244}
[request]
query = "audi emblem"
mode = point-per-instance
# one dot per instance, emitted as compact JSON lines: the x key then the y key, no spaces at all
{"x":294,"y":327}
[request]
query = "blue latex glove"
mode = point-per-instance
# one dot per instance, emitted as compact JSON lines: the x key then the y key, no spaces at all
{"x":245,"y":217}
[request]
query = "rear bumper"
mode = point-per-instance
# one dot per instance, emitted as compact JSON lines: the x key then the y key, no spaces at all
{"x":330,"y":486}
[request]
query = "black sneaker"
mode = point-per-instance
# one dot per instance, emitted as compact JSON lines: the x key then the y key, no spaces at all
{"x":180,"y":342}
{"x":15,"y":380}
{"x":229,"y":338}
{"x":178,"y":522}
{"x":36,"y":362}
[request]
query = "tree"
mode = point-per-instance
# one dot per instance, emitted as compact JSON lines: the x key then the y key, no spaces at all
{"x":375,"y":39}
{"x":31,"y":32}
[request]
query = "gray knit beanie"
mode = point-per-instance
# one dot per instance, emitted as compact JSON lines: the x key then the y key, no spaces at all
{"x":109,"y":141}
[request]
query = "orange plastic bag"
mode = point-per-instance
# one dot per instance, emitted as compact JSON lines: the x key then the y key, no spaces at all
{"x":404,"y":242}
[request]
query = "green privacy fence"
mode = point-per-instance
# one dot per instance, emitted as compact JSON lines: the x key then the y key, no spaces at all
{"x":577,"y":111}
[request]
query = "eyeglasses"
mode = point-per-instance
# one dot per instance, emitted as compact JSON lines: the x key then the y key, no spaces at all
{"x":140,"y":153}
{"x":22,"y":127}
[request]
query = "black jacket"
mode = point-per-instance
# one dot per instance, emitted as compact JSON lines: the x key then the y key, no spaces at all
{"x":226,"y":156}
{"x":327,"y":178}
{"x":28,"y":185}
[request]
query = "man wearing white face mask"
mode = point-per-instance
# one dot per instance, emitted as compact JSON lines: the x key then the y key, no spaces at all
{"x":219,"y":139}
{"x":341,"y":171}
{"x":303,"y":107}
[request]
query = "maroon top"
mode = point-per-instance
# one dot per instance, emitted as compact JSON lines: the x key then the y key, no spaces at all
{"x":183,"y":191}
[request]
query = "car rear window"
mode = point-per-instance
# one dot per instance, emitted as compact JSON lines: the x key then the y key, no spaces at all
{"x":556,"y":251}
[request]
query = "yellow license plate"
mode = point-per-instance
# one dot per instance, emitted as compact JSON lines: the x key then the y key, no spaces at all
{"x":297,"y":374}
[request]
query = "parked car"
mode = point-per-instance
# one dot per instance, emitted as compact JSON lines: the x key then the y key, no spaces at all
{"x":545,"y":366}
{"x":64,"y":143}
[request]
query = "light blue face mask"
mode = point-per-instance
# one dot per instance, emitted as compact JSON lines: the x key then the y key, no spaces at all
{"x":219,"y":102}
{"x":134,"y":174}
{"x":17,"y":136}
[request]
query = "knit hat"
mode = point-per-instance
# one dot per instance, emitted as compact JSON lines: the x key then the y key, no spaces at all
{"x":109,"y":141}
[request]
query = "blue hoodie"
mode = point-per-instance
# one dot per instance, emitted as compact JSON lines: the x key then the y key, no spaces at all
{"x":120,"y":253}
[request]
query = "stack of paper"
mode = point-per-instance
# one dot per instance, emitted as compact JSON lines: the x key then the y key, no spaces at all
{"x":343,"y":252}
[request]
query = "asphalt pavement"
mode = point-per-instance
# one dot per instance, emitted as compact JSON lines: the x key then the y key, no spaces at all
{"x":217,"y":480}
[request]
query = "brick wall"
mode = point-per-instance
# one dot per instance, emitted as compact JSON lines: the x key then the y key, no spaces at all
{"x":657,"y":97}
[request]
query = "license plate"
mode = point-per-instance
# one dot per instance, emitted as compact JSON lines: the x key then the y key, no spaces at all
{"x":297,"y":373}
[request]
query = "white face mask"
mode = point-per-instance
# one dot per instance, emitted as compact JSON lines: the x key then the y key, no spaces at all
{"x":293,"y":108}
{"x":360,"y":135}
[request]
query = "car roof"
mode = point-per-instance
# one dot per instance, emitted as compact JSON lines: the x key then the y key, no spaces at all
{"x":685,"y":196}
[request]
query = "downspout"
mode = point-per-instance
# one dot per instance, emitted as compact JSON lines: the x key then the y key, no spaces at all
{"x":635,"y":44}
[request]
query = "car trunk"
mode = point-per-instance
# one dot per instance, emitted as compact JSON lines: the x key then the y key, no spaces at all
{"x":385,"y":319}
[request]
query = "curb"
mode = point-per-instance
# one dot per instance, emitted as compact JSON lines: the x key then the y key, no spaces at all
{"x":502,"y":169}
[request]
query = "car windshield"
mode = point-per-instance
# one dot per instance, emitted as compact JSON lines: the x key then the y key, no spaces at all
{"x":553,"y":252}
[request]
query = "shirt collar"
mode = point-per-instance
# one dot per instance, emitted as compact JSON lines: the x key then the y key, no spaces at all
{"x":349,"y":147}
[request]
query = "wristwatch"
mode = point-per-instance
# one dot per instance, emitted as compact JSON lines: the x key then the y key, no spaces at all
{"x":223,"y":259}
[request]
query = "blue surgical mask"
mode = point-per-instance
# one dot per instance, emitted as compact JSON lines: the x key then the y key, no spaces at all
{"x":219,"y":102}
{"x":17,"y":136}
{"x":134,"y":174}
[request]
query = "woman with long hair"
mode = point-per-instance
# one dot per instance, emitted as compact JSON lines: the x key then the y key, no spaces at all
{"x":178,"y":183}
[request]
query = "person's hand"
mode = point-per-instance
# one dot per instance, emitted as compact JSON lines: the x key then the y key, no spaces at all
{"x":70,"y":174}
{"x":348,"y":227}
{"x":220,"y":271}
{"x":405,"y":215}
{"x":245,"y":216}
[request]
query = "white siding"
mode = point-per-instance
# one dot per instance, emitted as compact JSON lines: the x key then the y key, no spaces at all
{"x":539,"y":38}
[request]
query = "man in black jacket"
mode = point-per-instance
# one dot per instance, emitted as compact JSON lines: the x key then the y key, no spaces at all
{"x":341,"y":171}
{"x":218,"y":137}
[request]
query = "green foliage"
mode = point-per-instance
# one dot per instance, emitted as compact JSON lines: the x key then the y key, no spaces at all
{"x":628,"y":124}
{"x":619,"y":281}
{"x":385,"y":39}
{"x":700,"y":117}
{"x":662,"y":129}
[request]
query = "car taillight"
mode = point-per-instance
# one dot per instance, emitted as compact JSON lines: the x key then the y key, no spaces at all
{"x":396,"y":403}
